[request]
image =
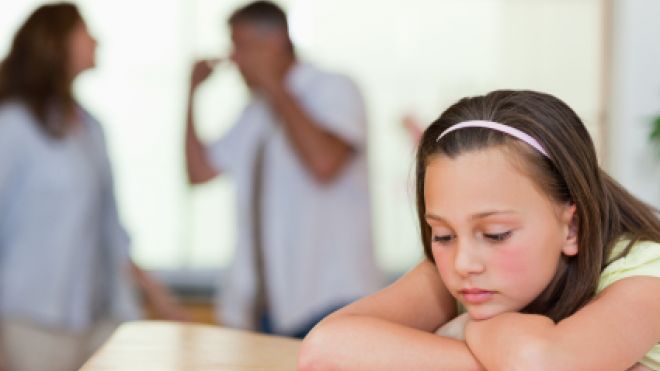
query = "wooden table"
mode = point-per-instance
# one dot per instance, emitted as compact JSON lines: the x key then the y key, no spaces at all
{"x":165,"y":346}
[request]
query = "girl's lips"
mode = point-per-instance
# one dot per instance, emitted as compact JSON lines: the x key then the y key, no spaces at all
{"x":476,"y":296}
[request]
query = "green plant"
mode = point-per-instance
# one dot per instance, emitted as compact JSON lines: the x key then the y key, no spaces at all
{"x":655,"y":133}
{"x":655,"y":129}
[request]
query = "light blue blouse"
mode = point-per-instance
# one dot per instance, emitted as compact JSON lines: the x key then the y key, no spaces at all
{"x":63,"y":253}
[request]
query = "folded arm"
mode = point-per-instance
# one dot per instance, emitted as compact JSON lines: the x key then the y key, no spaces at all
{"x":612,"y":332}
{"x":390,"y":330}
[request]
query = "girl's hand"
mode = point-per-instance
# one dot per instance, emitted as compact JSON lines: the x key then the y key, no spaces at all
{"x":455,"y":328}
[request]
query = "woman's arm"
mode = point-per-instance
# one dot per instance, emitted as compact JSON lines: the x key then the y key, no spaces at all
{"x":390,"y":330}
{"x":164,"y":304}
{"x":612,"y":332}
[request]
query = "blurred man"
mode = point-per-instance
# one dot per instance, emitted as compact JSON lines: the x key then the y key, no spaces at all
{"x":298,"y":157}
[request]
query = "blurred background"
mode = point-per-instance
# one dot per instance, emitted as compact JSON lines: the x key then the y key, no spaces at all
{"x":410,"y":58}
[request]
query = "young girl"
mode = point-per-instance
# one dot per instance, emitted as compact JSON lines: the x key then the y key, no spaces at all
{"x":554,"y":264}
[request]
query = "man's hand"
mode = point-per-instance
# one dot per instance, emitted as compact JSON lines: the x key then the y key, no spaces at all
{"x":201,"y":70}
{"x":263,"y":68}
{"x":413,"y":127}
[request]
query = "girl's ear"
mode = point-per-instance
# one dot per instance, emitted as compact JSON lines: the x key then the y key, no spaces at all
{"x":570,"y":219}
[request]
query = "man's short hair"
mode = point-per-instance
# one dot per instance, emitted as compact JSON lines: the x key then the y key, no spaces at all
{"x":263,"y":13}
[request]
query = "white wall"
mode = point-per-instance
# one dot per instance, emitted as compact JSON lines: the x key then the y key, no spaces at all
{"x":634,"y":97}
{"x":408,"y":56}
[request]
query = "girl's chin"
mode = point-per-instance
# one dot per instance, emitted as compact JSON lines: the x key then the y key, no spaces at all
{"x":480,"y":317}
{"x":480,"y":314}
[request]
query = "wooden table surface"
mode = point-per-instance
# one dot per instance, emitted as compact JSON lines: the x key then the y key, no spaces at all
{"x":165,"y":346}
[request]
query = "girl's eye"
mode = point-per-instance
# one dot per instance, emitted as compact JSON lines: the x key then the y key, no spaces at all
{"x":498,"y":237}
{"x":442,"y":239}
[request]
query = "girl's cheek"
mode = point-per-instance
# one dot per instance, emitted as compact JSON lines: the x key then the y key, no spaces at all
{"x":511,"y":262}
{"x":444,"y":263}
{"x":440,"y":257}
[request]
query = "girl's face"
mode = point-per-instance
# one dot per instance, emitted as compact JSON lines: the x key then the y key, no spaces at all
{"x":496,"y":237}
{"x":82,"y":50}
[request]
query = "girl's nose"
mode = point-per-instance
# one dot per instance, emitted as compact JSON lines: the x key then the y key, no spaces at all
{"x":468,"y":260}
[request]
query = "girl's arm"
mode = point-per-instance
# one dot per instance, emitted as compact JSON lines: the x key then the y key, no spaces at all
{"x":639,"y":367}
{"x":612,"y":332}
{"x":390,"y":330}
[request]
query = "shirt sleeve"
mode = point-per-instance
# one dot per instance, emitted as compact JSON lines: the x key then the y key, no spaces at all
{"x":224,"y":153}
{"x":124,"y":303}
{"x":11,"y":152}
{"x":643,"y":259}
{"x":7,"y":155}
{"x":338,"y":106}
{"x":114,"y":235}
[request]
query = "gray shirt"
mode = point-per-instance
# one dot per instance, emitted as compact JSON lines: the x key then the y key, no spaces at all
{"x":316,"y":239}
{"x":63,"y":253}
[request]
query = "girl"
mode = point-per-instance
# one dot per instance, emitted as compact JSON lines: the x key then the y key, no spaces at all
{"x":553,"y":263}
{"x":65,"y":269}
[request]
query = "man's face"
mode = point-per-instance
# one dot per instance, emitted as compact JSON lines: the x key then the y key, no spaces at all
{"x":254,"y":46}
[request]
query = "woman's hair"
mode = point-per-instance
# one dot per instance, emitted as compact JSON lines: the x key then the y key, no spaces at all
{"x":605,"y":211}
{"x":36,"y":68}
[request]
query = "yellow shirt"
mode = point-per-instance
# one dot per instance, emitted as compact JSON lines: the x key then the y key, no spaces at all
{"x":642,"y":260}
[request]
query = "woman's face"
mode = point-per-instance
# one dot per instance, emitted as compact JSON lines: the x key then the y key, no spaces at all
{"x":496,"y":237}
{"x":82,"y":50}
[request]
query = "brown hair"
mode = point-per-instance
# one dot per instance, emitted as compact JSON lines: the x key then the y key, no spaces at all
{"x":605,"y":211}
{"x":264,"y":13}
{"x":35,"y":70}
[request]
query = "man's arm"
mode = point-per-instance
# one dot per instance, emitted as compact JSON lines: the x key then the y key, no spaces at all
{"x":322,"y":152}
{"x":390,"y":330}
{"x":199,"y":168}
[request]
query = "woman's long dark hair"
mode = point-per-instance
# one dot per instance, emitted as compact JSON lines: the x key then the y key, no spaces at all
{"x":35,"y":70}
{"x":605,"y":211}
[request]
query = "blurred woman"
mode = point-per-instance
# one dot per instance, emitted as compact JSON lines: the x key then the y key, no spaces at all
{"x":66,"y":278}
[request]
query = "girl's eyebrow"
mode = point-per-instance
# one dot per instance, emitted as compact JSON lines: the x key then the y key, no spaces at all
{"x":433,"y":217}
{"x":481,"y":215}
{"x":491,"y":213}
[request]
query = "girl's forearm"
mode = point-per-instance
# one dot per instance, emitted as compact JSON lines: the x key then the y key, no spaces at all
{"x":352,"y":342}
{"x":512,"y":341}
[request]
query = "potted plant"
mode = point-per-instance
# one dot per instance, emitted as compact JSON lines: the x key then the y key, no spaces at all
{"x":654,"y":137}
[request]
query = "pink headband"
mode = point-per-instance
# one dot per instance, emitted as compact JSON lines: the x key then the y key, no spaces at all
{"x":499,"y":127}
